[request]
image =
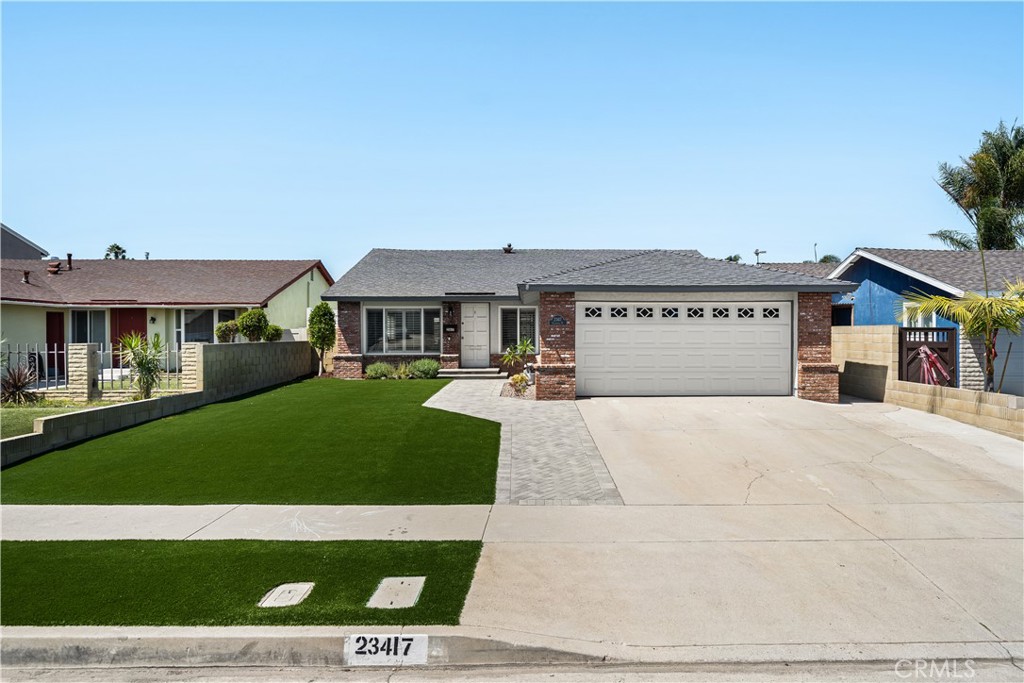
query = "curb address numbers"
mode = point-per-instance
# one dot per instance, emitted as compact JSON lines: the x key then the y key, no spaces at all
{"x":377,"y":649}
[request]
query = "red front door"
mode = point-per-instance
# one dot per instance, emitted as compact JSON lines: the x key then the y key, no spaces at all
{"x":125,"y":321}
{"x":55,"y":342}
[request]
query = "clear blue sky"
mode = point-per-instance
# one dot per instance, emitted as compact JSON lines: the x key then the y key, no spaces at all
{"x":323,"y":130}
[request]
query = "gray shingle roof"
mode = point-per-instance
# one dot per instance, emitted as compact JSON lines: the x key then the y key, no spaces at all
{"x":812,"y":268}
{"x":428,"y":274}
{"x":679,"y":271}
{"x":153,"y":282}
{"x":960,"y":269}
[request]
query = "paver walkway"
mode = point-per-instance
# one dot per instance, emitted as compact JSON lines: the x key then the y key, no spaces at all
{"x":547,"y":455}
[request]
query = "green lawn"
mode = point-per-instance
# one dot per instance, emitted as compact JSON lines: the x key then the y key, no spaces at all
{"x":321,"y":441}
{"x":17,"y":420}
{"x":221,"y":582}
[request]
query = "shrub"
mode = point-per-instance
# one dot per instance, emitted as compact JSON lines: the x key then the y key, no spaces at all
{"x":519,"y":383}
{"x":380,"y":371}
{"x":321,"y":330}
{"x":226,"y":332}
{"x":17,"y":384}
{"x":402,"y":371}
{"x":424,"y":368}
{"x":144,"y":357}
{"x":515,"y":356}
{"x":253,"y":324}
{"x":273,"y":333}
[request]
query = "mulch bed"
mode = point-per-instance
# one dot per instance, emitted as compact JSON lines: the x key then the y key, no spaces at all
{"x":530,"y":394}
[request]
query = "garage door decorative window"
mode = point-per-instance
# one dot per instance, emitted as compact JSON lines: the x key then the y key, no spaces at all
{"x":644,"y":312}
{"x":744,"y":312}
{"x":771,"y":313}
{"x":592,"y":312}
{"x":670,"y":312}
{"x":718,"y":312}
{"x":619,"y":311}
{"x":694,"y":312}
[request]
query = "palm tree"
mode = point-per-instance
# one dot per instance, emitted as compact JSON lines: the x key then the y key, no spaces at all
{"x":988,"y":188}
{"x":115,"y":251}
{"x":981,"y":315}
{"x":735,"y":258}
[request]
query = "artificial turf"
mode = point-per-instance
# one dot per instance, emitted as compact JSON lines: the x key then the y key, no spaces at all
{"x":164,"y":583}
{"x":320,"y":441}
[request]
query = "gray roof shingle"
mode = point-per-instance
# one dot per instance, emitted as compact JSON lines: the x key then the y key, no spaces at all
{"x":960,"y":269}
{"x":153,"y":282}
{"x":430,"y":274}
{"x":812,"y":268}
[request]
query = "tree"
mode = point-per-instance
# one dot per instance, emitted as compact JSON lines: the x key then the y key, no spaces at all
{"x":735,"y":258}
{"x":321,"y":330}
{"x":253,"y":324}
{"x":829,"y":258}
{"x":981,"y":315}
{"x":988,"y":188}
{"x":143,"y":356}
{"x":116,"y":252}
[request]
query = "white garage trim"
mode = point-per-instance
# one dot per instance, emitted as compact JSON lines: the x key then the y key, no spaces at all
{"x":684,"y":347}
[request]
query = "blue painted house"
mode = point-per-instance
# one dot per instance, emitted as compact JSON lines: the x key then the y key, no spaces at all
{"x":885,"y":275}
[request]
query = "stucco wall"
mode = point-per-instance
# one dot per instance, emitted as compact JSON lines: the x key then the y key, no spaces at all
{"x":23,"y":324}
{"x":288,"y":308}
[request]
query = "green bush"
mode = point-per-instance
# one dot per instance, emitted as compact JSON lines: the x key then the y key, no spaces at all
{"x":380,"y":371}
{"x":424,"y":368}
{"x":273,"y":333}
{"x":519,"y":383}
{"x":226,"y":332}
{"x":321,"y":330}
{"x":253,"y":324}
{"x":402,"y":371}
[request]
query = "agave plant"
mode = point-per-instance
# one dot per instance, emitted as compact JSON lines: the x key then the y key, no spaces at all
{"x":515,"y":356}
{"x":144,"y":357}
{"x":17,"y":384}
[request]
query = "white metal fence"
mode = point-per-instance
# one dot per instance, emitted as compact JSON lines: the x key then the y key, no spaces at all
{"x":114,"y":371}
{"x":48,"y":362}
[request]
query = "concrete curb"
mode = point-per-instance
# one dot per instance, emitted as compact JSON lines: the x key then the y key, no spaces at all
{"x":82,"y":646}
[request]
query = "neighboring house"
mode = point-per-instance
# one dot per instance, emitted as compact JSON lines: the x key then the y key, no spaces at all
{"x":605,"y":322}
{"x":15,"y":246}
{"x":884,"y":275}
{"x":100,"y":300}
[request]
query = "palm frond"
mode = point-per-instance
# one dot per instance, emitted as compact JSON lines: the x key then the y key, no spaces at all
{"x":954,"y":239}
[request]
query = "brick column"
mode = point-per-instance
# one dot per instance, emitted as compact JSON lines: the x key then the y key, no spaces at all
{"x":556,"y":362}
{"x":348,"y":357}
{"x":451,"y":342}
{"x":83,"y":368}
{"x":817,"y":375}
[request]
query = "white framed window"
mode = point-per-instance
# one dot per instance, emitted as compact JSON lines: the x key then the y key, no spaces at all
{"x":694,"y":312}
{"x":592,"y":312}
{"x":770,"y":313}
{"x":198,"y":324}
{"x":719,"y":312}
{"x":402,"y":330}
{"x":619,"y":312}
{"x":670,"y":312}
{"x":517,"y":323}
{"x":911,"y":319}
{"x":89,"y":327}
{"x":644,"y":312}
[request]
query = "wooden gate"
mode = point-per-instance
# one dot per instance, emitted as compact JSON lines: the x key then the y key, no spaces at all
{"x":941,"y":340}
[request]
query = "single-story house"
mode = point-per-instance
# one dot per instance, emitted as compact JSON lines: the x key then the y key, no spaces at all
{"x":99,"y":300}
{"x":884,"y":275}
{"x":603,"y":321}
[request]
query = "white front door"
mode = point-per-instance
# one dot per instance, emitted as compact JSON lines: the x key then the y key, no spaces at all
{"x":475,"y":335}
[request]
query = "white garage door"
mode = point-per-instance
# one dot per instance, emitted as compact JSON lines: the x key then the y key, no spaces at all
{"x":666,"y":349}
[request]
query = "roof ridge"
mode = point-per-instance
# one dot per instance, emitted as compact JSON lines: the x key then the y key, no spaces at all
{"x":592,"y":265}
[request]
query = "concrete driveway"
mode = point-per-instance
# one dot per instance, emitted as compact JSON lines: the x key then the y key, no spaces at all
{"x":771,"y":528}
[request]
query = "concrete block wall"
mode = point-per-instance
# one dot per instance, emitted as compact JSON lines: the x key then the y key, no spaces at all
{"x":221,"y":371}
{"x":867,"y":357}
{"x":972,"y":363}
{"x":1002,"y":413}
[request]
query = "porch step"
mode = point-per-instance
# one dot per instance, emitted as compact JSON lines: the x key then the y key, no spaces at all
{"x":470,"y":373}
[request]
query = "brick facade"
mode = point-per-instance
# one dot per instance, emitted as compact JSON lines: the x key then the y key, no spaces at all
{"x":556,"y":365}
{"x":817,"y":375}
{"x":451,"y":342}
{"x":348,"y":357}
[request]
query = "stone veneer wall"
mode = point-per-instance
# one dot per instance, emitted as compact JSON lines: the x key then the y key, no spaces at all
{"x":556,"y":363}
{"x":817,"y":375}
{"x":219,"y":371}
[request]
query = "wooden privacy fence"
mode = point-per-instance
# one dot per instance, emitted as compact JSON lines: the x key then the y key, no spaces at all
{"x":942,"y":341}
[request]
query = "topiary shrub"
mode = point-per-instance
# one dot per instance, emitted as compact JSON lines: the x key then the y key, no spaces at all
{"x":253,"y":324}
{"x":321,"y":330}
{"x":226,"y":332}
{"x":273,"y":333}
{"x":424,"y":368}
{"x":380,"y":371}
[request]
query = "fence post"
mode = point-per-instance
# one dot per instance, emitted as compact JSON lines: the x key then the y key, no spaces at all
{"x":83,"y":366}
{"x":192,"y":366}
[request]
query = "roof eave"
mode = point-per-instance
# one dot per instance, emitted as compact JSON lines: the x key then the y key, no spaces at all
{"x":838,"y":287}
{"x":432,"y":297}
{"x":927,"y":279}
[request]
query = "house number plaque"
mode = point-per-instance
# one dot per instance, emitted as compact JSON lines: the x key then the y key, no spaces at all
{"x":558,"y":320}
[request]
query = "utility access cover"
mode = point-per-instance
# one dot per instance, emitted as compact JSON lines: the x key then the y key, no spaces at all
{"x":396,"y":592}
{"x":286,"y":595}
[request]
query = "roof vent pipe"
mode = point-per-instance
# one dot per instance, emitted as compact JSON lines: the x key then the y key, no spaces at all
{"x":24,"y":276}
{"x":507,"y":248}
{"x":53,"y":267}
{"x":69,"y":260}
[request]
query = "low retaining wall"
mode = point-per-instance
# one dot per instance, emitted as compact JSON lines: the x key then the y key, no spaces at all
{"x":1002,"y":413}
{"x":223,"y":371}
